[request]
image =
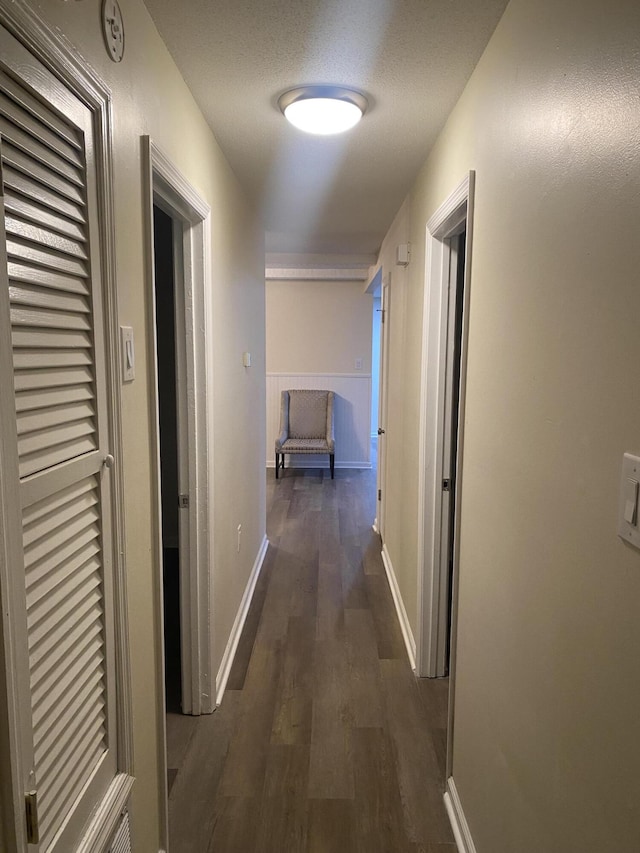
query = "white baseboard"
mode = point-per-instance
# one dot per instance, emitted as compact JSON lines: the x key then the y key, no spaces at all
{"x":358,"y":465}
{"x":459,"y":825}
{"x":407,"y":633}
{"x":234,"y":638}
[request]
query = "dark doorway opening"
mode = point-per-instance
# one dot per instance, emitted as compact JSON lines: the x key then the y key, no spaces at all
{"x":164,"y":269}
{"x":460,"y":240}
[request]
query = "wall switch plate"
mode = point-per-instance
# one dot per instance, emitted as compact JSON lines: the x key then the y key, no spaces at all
{"x":127,"y":354}
{"x":246,"y":359}
{"x":628,"y":510}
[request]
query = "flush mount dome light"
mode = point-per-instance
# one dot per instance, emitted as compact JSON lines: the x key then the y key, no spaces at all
{"x":323,"y":110}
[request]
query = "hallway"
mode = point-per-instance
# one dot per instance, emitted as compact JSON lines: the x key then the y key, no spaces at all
{"x":324,"y":740}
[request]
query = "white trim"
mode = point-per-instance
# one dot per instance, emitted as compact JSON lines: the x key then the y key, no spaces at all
{"x":407,"y":633}
{"x":431,"y":622}
{"x":107,"y":816}
{"x":459,"y":825}
{"x":238,"y":625}
{"x":300,"y":463}
{"x":358,"y":375}
{"x":319,"y":274}
{"x":182,"y":203}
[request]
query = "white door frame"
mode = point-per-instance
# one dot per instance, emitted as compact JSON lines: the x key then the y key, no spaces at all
{"x":433,"y":555}
{"x":166,"y":187}
{"x":385,"y":303}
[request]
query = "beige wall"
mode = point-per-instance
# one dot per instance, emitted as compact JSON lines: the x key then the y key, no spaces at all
{"x":318,"y":326}
{"x":150,"y":97}
{"x":546,"y":747}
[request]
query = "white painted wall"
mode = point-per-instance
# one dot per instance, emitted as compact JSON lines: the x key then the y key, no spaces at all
{"x":315,"y":332}
{"x":546,"y":752}
{"x":317,"y":326}
{"x":150,"y":97}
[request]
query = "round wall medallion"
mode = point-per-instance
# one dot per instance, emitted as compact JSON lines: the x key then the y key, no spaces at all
{"x":113,"y":29}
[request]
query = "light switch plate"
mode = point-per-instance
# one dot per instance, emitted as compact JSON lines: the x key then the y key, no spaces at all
{"x":628,"y":510}
{"x":127,"y":354}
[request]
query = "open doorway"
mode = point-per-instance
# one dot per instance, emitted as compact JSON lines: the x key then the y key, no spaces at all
{"x":178,"y":263}
{"x":445,"y":331}
{"x":165,"y":319}
{"x":379,"y":289}
{"x":456,"y":244}
{"x":442,"y":409}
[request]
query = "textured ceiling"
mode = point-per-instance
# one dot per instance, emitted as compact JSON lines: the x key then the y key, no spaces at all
{"x":326,"y":195}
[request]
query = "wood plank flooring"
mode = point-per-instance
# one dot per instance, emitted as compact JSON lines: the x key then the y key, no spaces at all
{"x":324,"y":741}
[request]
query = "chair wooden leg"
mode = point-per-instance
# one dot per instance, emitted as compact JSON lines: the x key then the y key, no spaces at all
{"x":277,"y":464}
{"x":331,"y":463}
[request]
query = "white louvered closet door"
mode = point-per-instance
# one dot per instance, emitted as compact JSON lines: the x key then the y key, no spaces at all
{"x":63,"y":609}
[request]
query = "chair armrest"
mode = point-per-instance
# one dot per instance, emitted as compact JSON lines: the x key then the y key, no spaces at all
{"x":281,"y":440}
{"x":284,"y":421}
{"x":330,"y":425}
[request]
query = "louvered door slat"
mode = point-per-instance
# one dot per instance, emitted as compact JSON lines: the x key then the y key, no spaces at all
{"x":42,"y":460}
{"x":60,"y":651}
{"x":54,"y":326}
{"x":83,"y":568}
{"x":22,"y":184}
{"x":27,"y":231}
{"x":44,"y":620}
{"x":52,"y":260}
{"x":80,"y":693}
{"x":30,"y":167}
{"x":75,"y":699}
{"x":58,"y":415}
{"x":76,"y":505}
{"x":56,"y":378}
{"x":89,"y":719}
{"x":62,"y":498}
{"x":22,"y":273}
{"x":17,"y":98}
{"x":24,"y":141}
{"x":79,"y":577}
{"x":31,"y":444}
{"x":67,"y":669}
{"x":32,"y":338}
{"x":31,"y":401}
{"x":71,"y":781}
{"x":34,"y":359}
{"x":67,"y":529}
{"x":41,"y":297}
{"x":30,"y":212}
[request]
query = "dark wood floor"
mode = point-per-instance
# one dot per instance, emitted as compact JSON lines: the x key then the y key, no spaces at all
{"x":324,"y":741}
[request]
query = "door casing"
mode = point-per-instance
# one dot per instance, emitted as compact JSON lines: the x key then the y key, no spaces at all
{"x":454,"y":215}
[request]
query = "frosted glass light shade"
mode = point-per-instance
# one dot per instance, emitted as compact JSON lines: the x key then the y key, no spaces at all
{"x":323,"y":110}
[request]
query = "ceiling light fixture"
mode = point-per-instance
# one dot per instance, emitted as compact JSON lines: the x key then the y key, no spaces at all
{"x":323,"y":110}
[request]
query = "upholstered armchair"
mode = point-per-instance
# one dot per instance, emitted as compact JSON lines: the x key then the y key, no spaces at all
{"x":306,"y":425}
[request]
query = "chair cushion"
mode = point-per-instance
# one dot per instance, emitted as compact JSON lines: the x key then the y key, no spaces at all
{"x":308,"y":414}
{"x":306,"y":445}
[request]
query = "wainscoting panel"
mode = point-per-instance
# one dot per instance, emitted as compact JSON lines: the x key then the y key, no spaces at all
{"x":352,"y":416}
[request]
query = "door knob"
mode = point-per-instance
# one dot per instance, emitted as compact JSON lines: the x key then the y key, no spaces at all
{"x":380,"y":431}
